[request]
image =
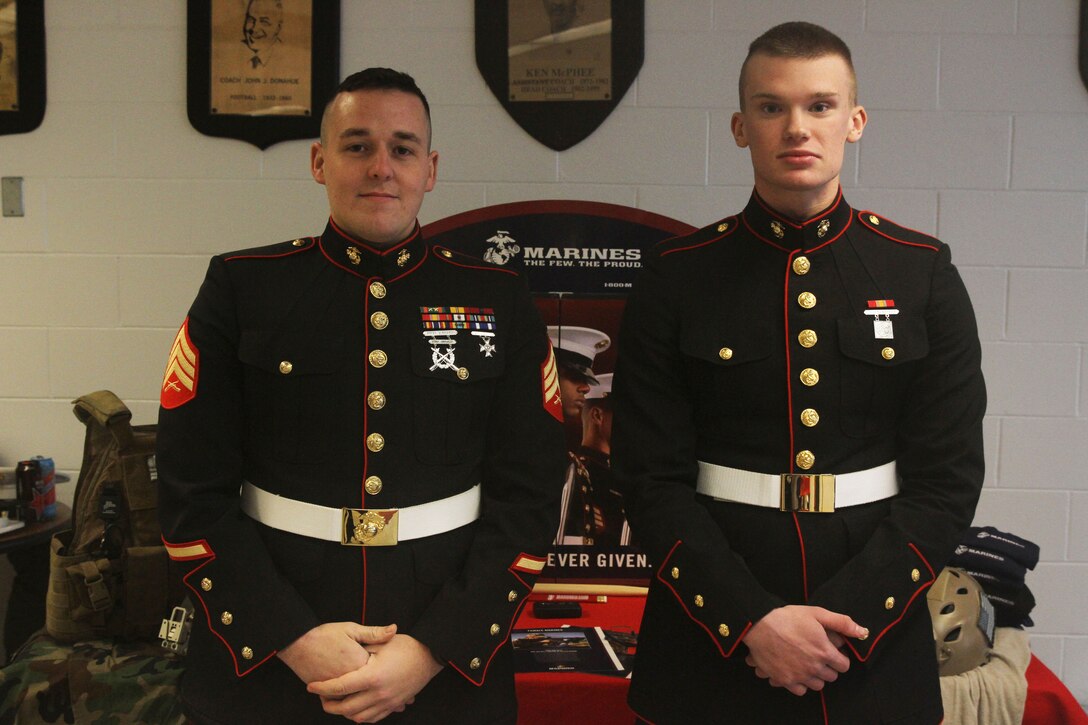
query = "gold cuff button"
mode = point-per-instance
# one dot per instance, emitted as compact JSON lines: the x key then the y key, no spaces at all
{"x":475,"y":663}
{"x":373,"y":485}
{"x":807,"y":338}
{"x":206,"y":584}
{"x":887,"y":353}
{"x":286,"y":367}
{"x":379,"y":320}
{"x":375,"y":442}
{"x":723,"y":630}
{"x":806,"y":300}
{"x":378,"y":358}
{"x":889,"y":602}
{"x":462,"y":373}
{"x":801,"y":265}
{"x":915,"y":575}
{"x":809,"y":417}
{"x":805,"y":460}
{"x":512,"y":596}
{"x":495,"y":629}
{"x":247,"y":653}
{"x":376,"y":400}
{"x":810,"y":377}
{"x":226,"y":618}
{"x":698,"y":600}
{"x":725,"y":353}
{"x":377,"y":290}
{"x":675,"y":572}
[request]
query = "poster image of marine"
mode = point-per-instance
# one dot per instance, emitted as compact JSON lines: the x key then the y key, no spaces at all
{"x":261,"y":57}
{"x":9,"y":59}
{"x":560,"y":50}
{"x":579,"y":258}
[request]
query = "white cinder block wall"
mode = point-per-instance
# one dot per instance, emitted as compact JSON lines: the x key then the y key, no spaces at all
{"x":978,"y":133}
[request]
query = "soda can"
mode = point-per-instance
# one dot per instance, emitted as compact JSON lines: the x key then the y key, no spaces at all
{"x":35,"y":481}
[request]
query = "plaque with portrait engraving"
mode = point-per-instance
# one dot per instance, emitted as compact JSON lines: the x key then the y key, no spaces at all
{"x":261,"y":70}
{"x":22,"y":65}
{"x":560,"y":50}
{"x":559,"y":67}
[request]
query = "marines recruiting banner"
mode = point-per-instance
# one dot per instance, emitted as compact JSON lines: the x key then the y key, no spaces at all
{"x":580,"y":259}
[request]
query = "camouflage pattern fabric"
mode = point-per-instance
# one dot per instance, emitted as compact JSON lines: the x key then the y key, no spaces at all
{"x":100,"y":682}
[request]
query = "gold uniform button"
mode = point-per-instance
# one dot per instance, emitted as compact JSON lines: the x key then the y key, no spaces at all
{"x":286,"y":367}
{"x":377,"y":290}
{"x":805,"y":460}
{"x":226,"y":618}
{"x":495,"y":629}
{"x":889,"y":602}
{"x":462,"y":373}
{"x":807,"y":338}
{"x":379,"y":320}
{"x":675,"y":572}
{"x":723,"y":226}
{"x":512,"y":596}
{"x":447,"y":254}
{"x":247,"y":653}
{"x":725,"y":353}
{"x":698,"y":600}
{"x":874,"y":219}
{"x":809,"y":417}
{"x":887,"y":353}
{"x":801,"y":265}
{"x":475,"y":663}
{"x":810,"y":377}
{"x":376,"y":400}
{"x":206,"y":584}
{"x":915,"y":575}
{"x":373,"y":485}
{"x":378,"y":358}
{"x":806,"y":300}
{"x":375,"y":442}
{"x":298,"y":242}
{"x":723,"y":630}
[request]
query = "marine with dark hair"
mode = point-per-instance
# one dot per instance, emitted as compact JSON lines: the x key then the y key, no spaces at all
{"x":798,"y":429}
{"x":360,"y":452}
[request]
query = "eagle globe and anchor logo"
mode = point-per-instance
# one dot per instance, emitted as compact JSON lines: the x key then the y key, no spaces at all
{"x":503,"y":248}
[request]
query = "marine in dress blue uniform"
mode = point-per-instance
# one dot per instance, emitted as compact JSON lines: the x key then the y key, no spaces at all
{"x":373,"y":384}
{"x":763,"y":359}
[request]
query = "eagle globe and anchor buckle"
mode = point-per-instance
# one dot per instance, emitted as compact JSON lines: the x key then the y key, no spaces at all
{"x":808,"y":492}
{"x":369,"y":527}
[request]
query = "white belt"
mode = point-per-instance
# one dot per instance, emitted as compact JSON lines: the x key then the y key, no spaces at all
{"x":361,"y":527}
{"x":808,"y":492}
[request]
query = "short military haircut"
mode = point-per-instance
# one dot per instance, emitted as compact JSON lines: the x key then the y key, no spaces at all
{"x":799,"y":39}
{"x":379,"y":79}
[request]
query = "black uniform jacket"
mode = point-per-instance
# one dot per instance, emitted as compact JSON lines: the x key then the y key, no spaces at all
{"x":746,"y":344}
{"x":314,"y":380}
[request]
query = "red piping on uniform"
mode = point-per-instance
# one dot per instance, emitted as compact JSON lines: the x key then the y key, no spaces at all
{"x":270,"y":256}
{"x":906,"y":607}
{"x":413,"y":268}
{"x":872,"y":228}
{"x":789,"y":373}
{"x":366,"y":451}
{"x":732,"y":228}
{"x":489,"y":268}
{"x":932,"y":575}
{"x":804,"y":559}
{"x":823,"y":706}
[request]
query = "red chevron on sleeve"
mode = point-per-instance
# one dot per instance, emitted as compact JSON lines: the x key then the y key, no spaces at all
{"x":182,"y":370}
{"x":549,"y":378}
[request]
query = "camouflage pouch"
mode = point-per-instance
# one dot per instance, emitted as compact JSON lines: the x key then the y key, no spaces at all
{"x":92,"y":683}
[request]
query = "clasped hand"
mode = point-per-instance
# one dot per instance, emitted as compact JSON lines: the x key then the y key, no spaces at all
{"x":799,"y":647}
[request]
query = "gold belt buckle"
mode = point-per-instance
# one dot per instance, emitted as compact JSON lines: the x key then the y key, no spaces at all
{"x":369,"y":527}
{"x":808,"y":492}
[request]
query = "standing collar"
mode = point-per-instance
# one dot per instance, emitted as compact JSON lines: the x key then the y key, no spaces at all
{"x":368,"y":260}
{"x":775,"y":229}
